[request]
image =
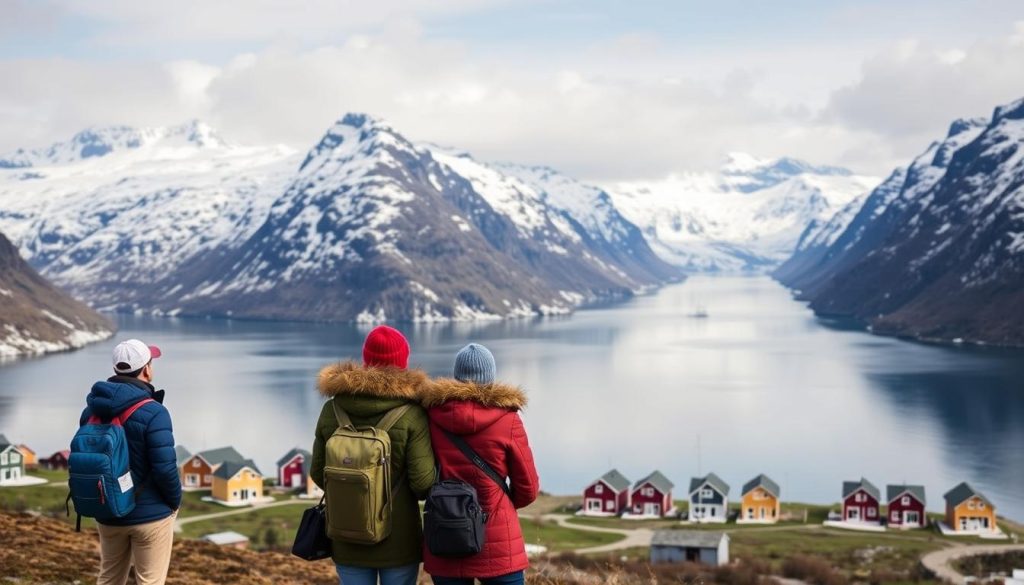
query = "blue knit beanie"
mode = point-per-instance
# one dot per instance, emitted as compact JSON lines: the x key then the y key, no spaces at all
{"x":474,"y":363}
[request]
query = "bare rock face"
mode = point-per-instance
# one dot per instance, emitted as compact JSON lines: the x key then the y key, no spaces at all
{"x":36,"y":317}
{"x":936,"y":251}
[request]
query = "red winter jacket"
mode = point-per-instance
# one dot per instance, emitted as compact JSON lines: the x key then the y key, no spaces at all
{"x":486,"y":416}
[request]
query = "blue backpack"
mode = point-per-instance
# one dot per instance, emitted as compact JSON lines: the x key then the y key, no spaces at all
{"x":101,"y":481}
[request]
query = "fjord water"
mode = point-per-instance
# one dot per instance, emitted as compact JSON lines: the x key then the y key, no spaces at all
{"x":761,"y":385}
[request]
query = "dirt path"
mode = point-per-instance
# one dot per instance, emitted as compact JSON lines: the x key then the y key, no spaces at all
{"x":940,"y":562}
{"x":234,"y":512}
{"x":633,"y":537}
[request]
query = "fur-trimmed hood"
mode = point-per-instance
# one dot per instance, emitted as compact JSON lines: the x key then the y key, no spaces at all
{"x":352,"y":379}
{"x":494,"y":395}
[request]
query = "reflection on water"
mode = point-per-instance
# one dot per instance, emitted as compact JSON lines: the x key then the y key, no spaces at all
{"x":761,"y":385}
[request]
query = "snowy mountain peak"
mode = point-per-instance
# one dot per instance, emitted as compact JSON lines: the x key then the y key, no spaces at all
{"x":961,"y":125}
{"x":104,"y":140}
{"x":356,"y":135}
{"x":746,"y":173}
{"x":1012,"y":111}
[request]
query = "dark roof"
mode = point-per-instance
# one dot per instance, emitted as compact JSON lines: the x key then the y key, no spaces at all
{"x":963,"y":492}
{"x":659,"y":481}
{"x":893,"y":491}
{"x":697,"y":538}
{"x":615,"y":480}
{"x":217,"y":456}
{"x":850,"y":487}
{"x":291,"y":454}
{"x":4,"y":442}
{"x":181,"y":454}
{"x":712,"y":480}
{"x":229,"y":468}
{"x":762,"y":481}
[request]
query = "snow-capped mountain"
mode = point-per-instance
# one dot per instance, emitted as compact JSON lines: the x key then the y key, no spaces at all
{"x":118,"y":215}
{"x":843,"y":240}
{"x":35,"y":317}
{"x":366,"y":226}
{"x":748,"y":216}
{"x":935,"y":252}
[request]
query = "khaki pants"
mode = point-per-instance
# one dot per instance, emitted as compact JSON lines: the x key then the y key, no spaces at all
{"x":147,"y":546}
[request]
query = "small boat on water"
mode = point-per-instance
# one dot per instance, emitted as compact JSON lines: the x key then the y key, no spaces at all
{"x":700,"y":313}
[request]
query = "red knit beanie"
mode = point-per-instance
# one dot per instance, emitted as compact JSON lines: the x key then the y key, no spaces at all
{"x":385,"y":346}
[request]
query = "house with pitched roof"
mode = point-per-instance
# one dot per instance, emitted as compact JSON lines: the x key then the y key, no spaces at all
{"x":709,"y":499}
{"x":293,"y":471}
{"x":29,"y":457}
{"x":58,"y":460}
{"x":968,"y":511}
{"x":181,"y":454}
{"x":690,"y":546}
{"x":237,"y":483}
{"x":651,"y":497}
{"x":197,"y":470}
{"x":861,"y":502}
{"x":906,"y":506}
{"x":12,"y":463}
{"x":607,"y":495}
{"x":759,"y":501}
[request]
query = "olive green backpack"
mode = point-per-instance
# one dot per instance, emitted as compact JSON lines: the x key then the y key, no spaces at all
{"x":358,"y":486}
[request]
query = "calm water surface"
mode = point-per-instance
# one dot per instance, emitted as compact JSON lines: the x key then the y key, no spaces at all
{"x":760,"y":385}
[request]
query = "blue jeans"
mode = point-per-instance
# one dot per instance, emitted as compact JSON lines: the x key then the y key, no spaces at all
{"x":510,"y":579}
{"x":405,"y":575}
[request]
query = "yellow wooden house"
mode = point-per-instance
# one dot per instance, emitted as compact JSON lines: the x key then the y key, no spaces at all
{"x":237,"y":483}
{"x":969,"y":512}
{"x":759,"y":503}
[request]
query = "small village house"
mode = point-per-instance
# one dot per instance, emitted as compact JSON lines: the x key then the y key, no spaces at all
{"x":12,"y":464}
{"x":906,"y":506}
{"x":608,"y":495}
{"x":237,"y":483}
{"x":690,"y":546}
{"x":230,"y":538}
{"x":198,"y":469}
{"x":759,"y":502}
{"x":861,"y":502}
{"x":181,"y":455}
{"x":652,"y":496}
{"x":709,"y":499}
{"x":58,"y":460}
{"x":293,"y":469}
{"x":968,"y":511}
{"x":29,"y":456}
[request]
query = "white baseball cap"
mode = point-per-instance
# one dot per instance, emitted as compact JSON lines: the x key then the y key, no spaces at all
{"x":133,"y":355}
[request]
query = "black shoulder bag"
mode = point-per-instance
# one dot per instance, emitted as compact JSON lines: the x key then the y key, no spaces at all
{"x":311,"y":542}
{"x":453,"y":522}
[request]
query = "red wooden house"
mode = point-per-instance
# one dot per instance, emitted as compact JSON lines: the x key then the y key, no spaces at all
{"x":860,"y":502}
{"x":58,"y":460}
{"x":652,"y":496}
{"x":293,"y":469}
{"x":607,"y":496}
{"x":906,"y":506}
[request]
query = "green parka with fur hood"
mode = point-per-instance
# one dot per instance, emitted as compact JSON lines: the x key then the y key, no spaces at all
{"x":366,"y":394}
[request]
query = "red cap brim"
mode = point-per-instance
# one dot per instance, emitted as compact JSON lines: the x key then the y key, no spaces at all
{"x":154,"y":352}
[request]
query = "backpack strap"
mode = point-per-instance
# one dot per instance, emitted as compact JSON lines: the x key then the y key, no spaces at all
{"x":122,"y":418}
{"x":341,"y":415}
{"x":477,"y":460}
{"x":391,"y":417}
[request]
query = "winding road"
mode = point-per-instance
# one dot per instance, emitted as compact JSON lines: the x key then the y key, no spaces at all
{"x":940,"y":562}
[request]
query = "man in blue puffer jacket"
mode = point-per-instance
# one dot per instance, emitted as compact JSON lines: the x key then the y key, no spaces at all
{"x":144,"y":537}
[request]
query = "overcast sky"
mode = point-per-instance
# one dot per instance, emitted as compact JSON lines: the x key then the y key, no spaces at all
{"x":602,"y":89}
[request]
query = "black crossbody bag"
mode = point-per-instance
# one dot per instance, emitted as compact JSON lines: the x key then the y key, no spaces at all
{"x":453,"y":521}
{"x":311,"y":542}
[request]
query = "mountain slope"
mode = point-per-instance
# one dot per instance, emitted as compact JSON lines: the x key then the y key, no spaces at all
{"x":748,"y":216}
{"x":942,"y":257}
{"x":37,"y":318}
{"x":366,"y":226}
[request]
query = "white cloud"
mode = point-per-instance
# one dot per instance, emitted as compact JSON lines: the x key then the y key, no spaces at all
{"x":632,"y":108}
